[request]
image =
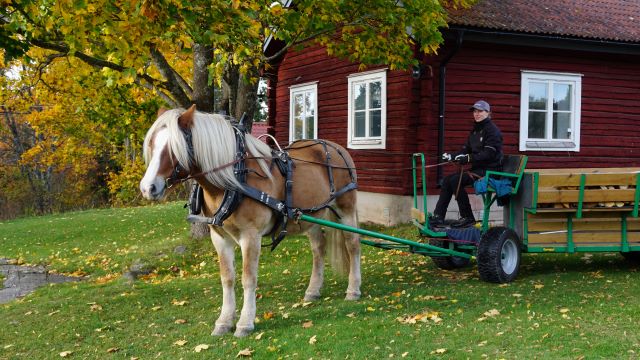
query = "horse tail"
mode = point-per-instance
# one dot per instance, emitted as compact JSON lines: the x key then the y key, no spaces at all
{"x":337,"y":247}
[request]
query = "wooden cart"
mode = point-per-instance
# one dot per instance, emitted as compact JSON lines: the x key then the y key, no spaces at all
{"x":550,"y":210}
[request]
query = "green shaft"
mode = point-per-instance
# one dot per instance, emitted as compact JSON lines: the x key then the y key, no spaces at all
{"x":376,"y":235}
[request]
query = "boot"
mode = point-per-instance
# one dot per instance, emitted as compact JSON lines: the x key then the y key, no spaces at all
{"x":464,"y":222}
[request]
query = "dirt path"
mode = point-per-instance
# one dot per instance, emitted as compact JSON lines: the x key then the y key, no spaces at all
{"x":21,"y":280}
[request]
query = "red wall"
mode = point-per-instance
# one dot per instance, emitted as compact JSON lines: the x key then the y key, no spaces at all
{"x":610,"y":106}
{"x":312,"y":64}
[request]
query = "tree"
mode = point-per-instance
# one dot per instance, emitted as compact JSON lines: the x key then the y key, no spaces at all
{"x":181,"y":49}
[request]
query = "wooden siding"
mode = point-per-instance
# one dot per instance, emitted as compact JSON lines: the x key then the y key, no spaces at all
{"x":610,"y":107}
{"x":312,"y":64}
{"x":610,"y":120}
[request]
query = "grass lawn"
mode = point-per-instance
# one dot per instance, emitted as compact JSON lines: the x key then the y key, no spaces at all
{"x":561,"y":306}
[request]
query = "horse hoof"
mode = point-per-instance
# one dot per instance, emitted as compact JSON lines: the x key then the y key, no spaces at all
{"x":242,"y":331}
{"x":311,"y":297}
{"x":352,"y":296}
{"x":220,"y":330}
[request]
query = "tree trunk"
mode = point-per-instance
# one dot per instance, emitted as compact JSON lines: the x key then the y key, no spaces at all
{"x":243,"y":94}
{"x":203,"y":95}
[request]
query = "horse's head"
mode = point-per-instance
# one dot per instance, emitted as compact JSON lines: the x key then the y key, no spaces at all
{"x":167,"y":152}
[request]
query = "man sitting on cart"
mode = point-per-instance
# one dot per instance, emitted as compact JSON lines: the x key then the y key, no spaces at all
{"x":483,"y":150}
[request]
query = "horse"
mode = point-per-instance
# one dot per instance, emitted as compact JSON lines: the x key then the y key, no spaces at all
{"x":184,"y":144}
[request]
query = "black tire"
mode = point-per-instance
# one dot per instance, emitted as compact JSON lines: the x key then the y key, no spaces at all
{"x":499,"y":255}
{"x":632,"y":256}
{"x":448,"y":262}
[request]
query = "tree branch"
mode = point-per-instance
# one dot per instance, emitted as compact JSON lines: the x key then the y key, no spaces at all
{"x":99,"y":63}
{"x":171,"y":74}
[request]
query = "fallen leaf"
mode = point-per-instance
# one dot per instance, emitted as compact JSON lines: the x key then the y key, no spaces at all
{"x":201,"y":347}
{"x":113,"y":349}
{"x":441,"y":351}
{"x":267,"y":315}
{"x":180,"y":321}
{"x":66,"y":353}
{"x":156,"y":308}
{"x":307,"y":324}
{"x":245,"y":353}
{"x":95,"y":307}
{"x":492,"y":313}
{"x":351,"y":315}
{"x":179,"y":303}
{"x":404,"y":354}
{"x":516,"y":295}
{"x":538,"y":286}
{"x":313,"y":340}
{"x":259,"y":336}
{"x":564,"y":310}
{"x":180,"y":342}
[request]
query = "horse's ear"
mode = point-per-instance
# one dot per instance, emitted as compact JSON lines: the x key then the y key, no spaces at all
{"x":185,"y":120}
{"x":161,"y":111}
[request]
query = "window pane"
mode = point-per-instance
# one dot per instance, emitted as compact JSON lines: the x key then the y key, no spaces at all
{"x":375,"y":119}
{"x":298,"y":105}
{"x":360,"y":124}
{"x":360,"y":96}
{"x":562,"y":97}
{"x":309,"y":133}
{"x":538,"y":96}
{"x":309,"y":101}
{"x":375,"y":95}
{"x":297,"y":129}
{"x":536,"y":125}
{"x":561,"y":125}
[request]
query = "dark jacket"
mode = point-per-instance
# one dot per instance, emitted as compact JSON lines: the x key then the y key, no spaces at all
{"x":485,"y":147}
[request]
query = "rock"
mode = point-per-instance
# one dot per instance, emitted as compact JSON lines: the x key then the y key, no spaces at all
{"x":180,"y":249}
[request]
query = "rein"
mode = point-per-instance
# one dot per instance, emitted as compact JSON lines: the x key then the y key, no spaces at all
{"x":173,"y":180}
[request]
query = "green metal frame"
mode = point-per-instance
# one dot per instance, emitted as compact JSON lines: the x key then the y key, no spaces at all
{"x":422,"y":228}
{"x":468,"y":251}
{"x":397,"y":243}
{"x":490,"y":197}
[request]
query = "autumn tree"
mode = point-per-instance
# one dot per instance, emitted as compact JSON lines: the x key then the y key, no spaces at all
{"x":181,"y":49}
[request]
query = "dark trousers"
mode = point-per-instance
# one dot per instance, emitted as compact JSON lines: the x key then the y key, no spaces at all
{"x":449,"y":187}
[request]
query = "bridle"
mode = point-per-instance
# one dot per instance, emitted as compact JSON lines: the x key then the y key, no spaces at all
{"x":175,"y":177}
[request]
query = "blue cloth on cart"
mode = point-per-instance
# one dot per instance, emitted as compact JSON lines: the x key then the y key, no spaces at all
{"x":502,"y":187}
{"x":467,"y":234}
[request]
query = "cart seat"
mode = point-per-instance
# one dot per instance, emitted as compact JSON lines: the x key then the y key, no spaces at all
{"x":513,"y":166}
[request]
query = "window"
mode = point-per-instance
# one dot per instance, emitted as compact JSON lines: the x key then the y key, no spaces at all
{"x":368,"y":110}
{"x":550,"y":111}
{"x":303,"y":112}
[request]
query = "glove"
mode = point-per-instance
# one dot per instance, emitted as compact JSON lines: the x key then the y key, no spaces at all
{"x":462,"y":158}
{"x":446,"y":157}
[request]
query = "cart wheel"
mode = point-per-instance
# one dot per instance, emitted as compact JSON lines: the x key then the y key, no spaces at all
{"x":632,"y":256}
{"x":448,"y":262}
{"x":499,"y":255}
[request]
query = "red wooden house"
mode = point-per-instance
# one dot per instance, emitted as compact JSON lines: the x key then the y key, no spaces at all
{"x":562,"y":78}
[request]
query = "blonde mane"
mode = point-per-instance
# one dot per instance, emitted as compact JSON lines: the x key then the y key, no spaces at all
{"x":214,"y":145}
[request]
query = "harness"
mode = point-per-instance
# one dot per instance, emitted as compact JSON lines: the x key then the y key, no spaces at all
{"x":283,"y":208}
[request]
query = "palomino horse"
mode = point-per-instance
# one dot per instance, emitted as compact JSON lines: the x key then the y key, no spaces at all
{"x":169,"y":156}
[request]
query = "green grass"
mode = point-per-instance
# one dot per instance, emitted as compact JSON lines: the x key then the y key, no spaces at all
{"x":561,"y":306}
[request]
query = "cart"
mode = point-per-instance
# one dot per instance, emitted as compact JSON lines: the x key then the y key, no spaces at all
{"x":546,"y":211}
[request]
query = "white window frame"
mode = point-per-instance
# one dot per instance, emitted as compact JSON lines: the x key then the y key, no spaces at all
{"x":367,"y":142}
{"x":303,"y":88}
{"x":549,"y":144}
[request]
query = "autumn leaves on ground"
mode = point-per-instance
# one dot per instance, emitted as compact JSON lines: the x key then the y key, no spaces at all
{"x":561,"y":306}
